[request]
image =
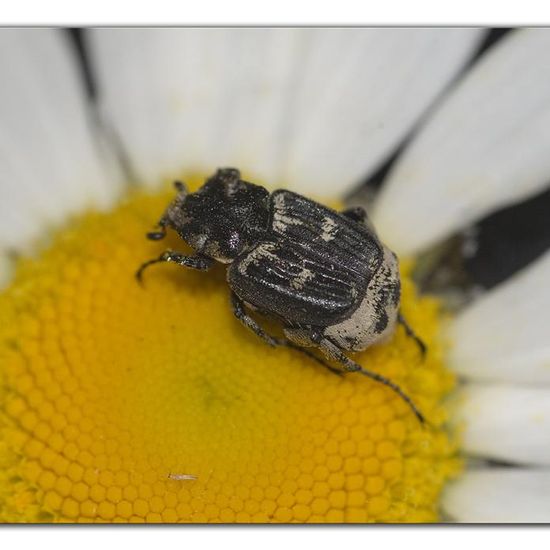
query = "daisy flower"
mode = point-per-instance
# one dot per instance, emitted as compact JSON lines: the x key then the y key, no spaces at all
{"x":121,"y":403}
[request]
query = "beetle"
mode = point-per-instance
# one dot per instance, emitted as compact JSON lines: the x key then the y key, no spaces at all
{"x":324,"y":275}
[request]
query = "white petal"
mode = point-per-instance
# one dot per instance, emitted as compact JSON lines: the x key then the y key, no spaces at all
{"x":499,"y":495}
{"x":314,"y":109}
{"x":485,"y":147}
{"x":505,"y":334}
{"x":49,"y":162}
{"x":190,"y":100}
{"x":362,"y":91}
{"x":506,"y":423}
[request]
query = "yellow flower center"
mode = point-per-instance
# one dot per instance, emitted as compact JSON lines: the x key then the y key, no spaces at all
{"x":122,"y":403}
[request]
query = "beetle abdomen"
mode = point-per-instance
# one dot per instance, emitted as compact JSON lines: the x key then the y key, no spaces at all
{"x":374,"y":320}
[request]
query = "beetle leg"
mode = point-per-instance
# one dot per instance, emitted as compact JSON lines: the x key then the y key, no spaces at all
{"x":181,"y":188}
{"x":332,"y":351}
{"x":240,"y":313}
{"x":239,"y":310}
{"x":160,"y":234}
{"x":298,"y":339}
{"x":359,"y":214}
{"x":311,"y":355}
{"x":355,"y":213}
{"x":202,"y":263}
{"x":410,"y":332}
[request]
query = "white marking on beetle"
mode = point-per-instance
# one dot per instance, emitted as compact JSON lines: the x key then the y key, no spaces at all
{"x":182,"y":477}
{"x":301,"y":279}
{"x":280,"y":221}
{"x":329,"y":229}
{"x":279,"y":202}
{"x":231,"y":188}
{"x":197,"y":240}
{"x":358,"y":331}
{"x":254,"y":256}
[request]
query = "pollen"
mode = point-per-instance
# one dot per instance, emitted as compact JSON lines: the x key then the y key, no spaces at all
{"x":122,"y":403}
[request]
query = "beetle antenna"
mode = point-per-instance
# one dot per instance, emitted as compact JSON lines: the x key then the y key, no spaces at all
{"x":411,"y":334}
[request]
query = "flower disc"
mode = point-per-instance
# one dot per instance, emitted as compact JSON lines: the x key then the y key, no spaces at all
{"x":123,"y":403}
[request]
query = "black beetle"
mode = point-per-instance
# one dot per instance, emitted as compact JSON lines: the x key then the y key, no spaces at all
{"x":323,"y":274}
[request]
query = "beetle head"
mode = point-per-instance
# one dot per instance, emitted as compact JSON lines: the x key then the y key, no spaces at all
{"x":224,"y":217}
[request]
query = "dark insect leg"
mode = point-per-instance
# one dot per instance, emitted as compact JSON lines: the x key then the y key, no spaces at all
{"x":410,"y":332}
{"x":311,"y":355}
{"x":332,"y":351}
{"x":164,"y":221}
{"x":180,"y":186}
{"x":298,"y":339}
{"x":355,"y":213}
{"x":240,"y":313}
{"x":359,"y":214}
{"x":202,"y":263}
{"x":160,"y":234}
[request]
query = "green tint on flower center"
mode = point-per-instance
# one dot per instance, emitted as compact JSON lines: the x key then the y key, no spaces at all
{"x":122,"y":403}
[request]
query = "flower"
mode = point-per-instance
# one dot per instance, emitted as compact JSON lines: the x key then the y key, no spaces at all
{"x":317,"y":109}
